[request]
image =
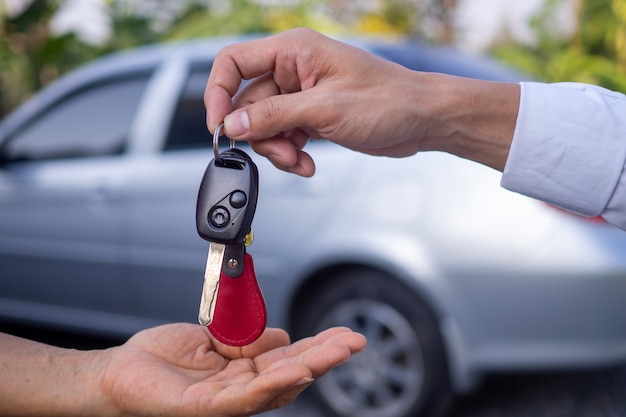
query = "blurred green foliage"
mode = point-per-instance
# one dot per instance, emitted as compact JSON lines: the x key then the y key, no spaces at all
{"x":595,"y":53}
{"x":31,"y":55}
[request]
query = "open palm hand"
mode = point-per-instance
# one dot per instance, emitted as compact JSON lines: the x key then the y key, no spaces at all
{"x":180,"y":369}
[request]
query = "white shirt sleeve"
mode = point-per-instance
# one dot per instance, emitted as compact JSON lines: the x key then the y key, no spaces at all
{"x":569,"y":149}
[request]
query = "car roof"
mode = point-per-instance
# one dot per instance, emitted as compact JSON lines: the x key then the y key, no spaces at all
{"x":414,"y":54}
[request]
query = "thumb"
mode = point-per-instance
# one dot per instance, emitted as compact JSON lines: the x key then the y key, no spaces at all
{"x":271,"y":116}
{"x":237,"y":124}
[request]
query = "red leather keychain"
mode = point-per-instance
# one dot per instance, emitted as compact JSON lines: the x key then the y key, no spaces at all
{"x":240,"y":316}
{"x":232,"y":304}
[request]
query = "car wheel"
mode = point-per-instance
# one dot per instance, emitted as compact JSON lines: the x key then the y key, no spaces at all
{"x":402,"y":372}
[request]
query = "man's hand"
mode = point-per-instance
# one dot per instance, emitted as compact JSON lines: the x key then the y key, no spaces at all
{"x":305,"y":85}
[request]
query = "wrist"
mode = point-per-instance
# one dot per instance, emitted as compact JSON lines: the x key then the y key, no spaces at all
{"x":81,"y":391}
{"x":472,"y":119}
{"x":39,"y":379}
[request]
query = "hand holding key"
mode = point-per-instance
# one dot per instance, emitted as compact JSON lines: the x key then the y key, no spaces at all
{"x":304,"y":85}
{"x":232,"y":305}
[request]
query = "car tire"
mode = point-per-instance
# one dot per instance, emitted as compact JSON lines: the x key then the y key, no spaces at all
{"x":403,"y":370}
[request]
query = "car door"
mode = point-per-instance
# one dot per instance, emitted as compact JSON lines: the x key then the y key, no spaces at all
{"x":166,"y":255}
{"x":62,"y":196}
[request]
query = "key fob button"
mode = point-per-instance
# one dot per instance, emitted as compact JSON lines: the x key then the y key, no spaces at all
{"x":219,"y":217}
{"x":238,"y":199}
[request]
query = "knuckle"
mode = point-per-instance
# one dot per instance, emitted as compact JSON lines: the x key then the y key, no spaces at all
{"x":269,"y":112}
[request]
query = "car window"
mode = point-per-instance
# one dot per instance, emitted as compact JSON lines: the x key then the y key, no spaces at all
{"x":188,"y":127}
{"x":91,"y":121}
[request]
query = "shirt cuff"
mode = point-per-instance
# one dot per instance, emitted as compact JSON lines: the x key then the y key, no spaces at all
{"x":569,"y":148}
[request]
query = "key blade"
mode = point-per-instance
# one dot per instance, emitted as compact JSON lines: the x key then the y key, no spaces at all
{"x":212,"y":275}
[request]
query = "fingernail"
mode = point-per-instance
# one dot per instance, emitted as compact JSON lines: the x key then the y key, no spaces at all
{"x":237,"y":123}
{"x":298,"y":170}
{"x":305,"y":381}
{"x":275,"y":159}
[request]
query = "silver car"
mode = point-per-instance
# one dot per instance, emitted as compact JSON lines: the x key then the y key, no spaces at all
{"x":448,"y":275}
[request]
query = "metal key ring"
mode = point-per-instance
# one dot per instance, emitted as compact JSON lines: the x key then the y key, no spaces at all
{"x":216,"y":139}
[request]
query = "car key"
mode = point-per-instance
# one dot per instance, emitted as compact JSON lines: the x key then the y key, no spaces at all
{"x":223,"y":215}
{"x":231,"y":305}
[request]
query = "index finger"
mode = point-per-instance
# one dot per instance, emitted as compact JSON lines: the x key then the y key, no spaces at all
{"x":232,"y":65}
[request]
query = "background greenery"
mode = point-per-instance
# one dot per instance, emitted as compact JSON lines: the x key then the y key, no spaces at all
{"x":595,"y":53}
{"x":31,"y":56}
